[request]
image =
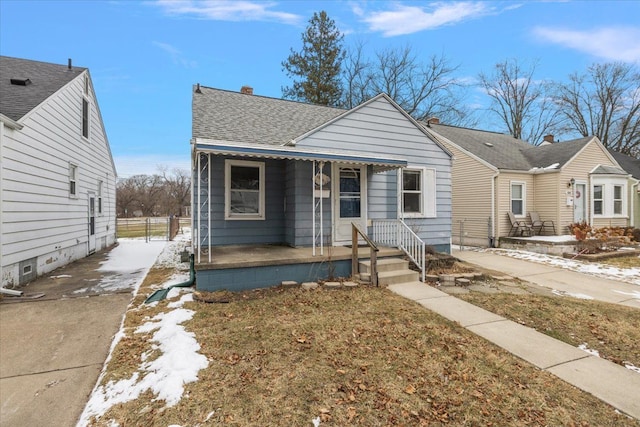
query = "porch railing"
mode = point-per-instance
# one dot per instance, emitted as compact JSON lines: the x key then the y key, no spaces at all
{"x":373,"y":249}
{"x":395,"y":233}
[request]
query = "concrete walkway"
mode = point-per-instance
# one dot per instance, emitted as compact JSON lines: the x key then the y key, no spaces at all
{"x":560,"y":279}
{"x":608,"y":381}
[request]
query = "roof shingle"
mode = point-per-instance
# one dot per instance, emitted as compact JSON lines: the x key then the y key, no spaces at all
{"x":233,"y":116}
{"x":46,"y":79}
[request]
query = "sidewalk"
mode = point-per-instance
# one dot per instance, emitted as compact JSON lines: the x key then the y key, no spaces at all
{"x":556,"y":278}
{"x":609,"y":382}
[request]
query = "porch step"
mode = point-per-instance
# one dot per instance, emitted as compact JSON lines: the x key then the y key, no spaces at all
{"x":390,"y":271}
{"x":397,"y":276}
{"x":384,"y":264}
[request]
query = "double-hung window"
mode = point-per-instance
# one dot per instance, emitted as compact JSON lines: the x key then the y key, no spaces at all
{"x":608,"y":197}
{"x":100,"y":197}
{"x":244,"y":190}
{"x":617,"y":199}
{"x":73,"y":173}
{"x":518,"y":192}
{"x":418,"y":188}
{"x":85,"y":108}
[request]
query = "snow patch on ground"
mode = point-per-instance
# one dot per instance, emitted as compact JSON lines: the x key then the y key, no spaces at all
{"x":177,"y":365}
{"x":570,"y":294}
{"x":592,"y":352}
{"x":627,"y":275}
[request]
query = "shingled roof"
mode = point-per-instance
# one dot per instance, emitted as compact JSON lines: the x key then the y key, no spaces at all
{"x":506,"y":152}
{"x":239,"y":117}
{"x":630,"y":164}
{"x":44,"y":79}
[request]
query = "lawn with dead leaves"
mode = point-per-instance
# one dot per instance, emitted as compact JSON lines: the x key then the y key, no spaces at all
{"x":363,"y":356}
{"x":610,"y":329}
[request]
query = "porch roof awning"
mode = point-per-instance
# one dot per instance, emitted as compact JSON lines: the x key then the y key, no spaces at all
{"x":265,"y":151}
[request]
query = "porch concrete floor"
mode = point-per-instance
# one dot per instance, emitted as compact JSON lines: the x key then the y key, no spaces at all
{"x":236,"y":256}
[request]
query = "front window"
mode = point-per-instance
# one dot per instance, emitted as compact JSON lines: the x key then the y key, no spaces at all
{"x":412,"y":191}
{"x":517,"y":198}
{"x":617,"y":200}
{"x":418,"y":192}
{"x":598,"y":201}
{"x":244,"y":190}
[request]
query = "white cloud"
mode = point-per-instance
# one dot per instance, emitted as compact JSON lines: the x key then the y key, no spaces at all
{"x":128,"y":165}
{"x":612,"y":44}
{"x":411,"y":19}
{"x":176,"y":55}
{"x":228,"y":10}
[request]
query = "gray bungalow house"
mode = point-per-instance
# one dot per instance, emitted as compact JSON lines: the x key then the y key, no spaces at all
{"x":271,"y":174}
{"x":563,"y":182}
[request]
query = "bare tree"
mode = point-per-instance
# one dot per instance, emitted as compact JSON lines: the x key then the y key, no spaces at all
{"x":164,"y":193}
{"x":422,"y":89}
{"x":605,"y":102}
{"x":177,"y":190}
{"x":520,"y":102}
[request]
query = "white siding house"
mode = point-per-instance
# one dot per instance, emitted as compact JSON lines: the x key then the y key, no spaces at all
{"x":57,"y":176}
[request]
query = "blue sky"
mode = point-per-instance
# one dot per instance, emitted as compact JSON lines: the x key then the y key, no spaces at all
{"x":145,"y":56}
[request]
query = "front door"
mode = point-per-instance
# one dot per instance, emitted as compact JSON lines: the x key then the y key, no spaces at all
{"x":92,"y":223}
{"x":349,"y":201}
{"x":579,"y":202}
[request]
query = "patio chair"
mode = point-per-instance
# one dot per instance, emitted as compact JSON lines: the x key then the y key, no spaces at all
{"x":539,"y":225}
{"x":519,"y":227}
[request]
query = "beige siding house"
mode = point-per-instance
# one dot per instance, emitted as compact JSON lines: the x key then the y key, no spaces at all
{"x":564,"y":182}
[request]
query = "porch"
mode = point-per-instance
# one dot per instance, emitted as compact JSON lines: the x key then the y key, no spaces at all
{"x":548,"y":245}
{"x":243,"y":267}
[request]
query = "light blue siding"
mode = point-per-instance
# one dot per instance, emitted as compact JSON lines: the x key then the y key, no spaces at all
{"x":379,"y":129}
{"x":271,"y":230}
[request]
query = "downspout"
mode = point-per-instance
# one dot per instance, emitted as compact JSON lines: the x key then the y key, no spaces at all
{"x":632,"y":198}
{"x":492,"y":242}
{"x":1,"y":198}
{"x":161,"y":294}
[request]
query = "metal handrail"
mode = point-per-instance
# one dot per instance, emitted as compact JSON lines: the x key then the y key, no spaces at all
{"x":395,"y":232}
{"x":373,"y":252}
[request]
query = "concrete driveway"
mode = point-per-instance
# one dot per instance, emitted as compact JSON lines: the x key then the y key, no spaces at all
{"x":52,"y":348}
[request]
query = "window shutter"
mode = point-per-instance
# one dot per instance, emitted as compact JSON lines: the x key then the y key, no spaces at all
{"x":429,"y":193}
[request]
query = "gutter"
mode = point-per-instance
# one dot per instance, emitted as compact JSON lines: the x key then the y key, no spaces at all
{"x":492,"y":238}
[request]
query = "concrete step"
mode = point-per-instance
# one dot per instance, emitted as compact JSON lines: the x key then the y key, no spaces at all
{"x":384,"y":264}
{"x":397,"y":276}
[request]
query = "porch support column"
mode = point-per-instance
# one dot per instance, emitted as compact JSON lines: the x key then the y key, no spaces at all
{"x":321,"y":213}
{"x":313,"y":206}
{"x":209,"y":205}
{"x":199,"y":210}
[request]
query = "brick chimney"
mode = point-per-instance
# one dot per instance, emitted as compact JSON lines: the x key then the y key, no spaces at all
{"x":247,"y":90}
{"x":548,"y":139}
{"x":433,"y":121}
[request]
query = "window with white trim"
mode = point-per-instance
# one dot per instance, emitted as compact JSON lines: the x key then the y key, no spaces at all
{"x":609,"y":197}
{"x":99,"y":197}
{"x":244,"y":190}
{"x":518,"y":193}
{"x":73,"y":174}
{"x":85,"y":117}
{"x":418,"y":192}
{"x":598,"y":200}
{"x":617,"y":199}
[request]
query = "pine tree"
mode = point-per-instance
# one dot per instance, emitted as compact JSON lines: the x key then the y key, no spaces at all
{"x":316,"y":69}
